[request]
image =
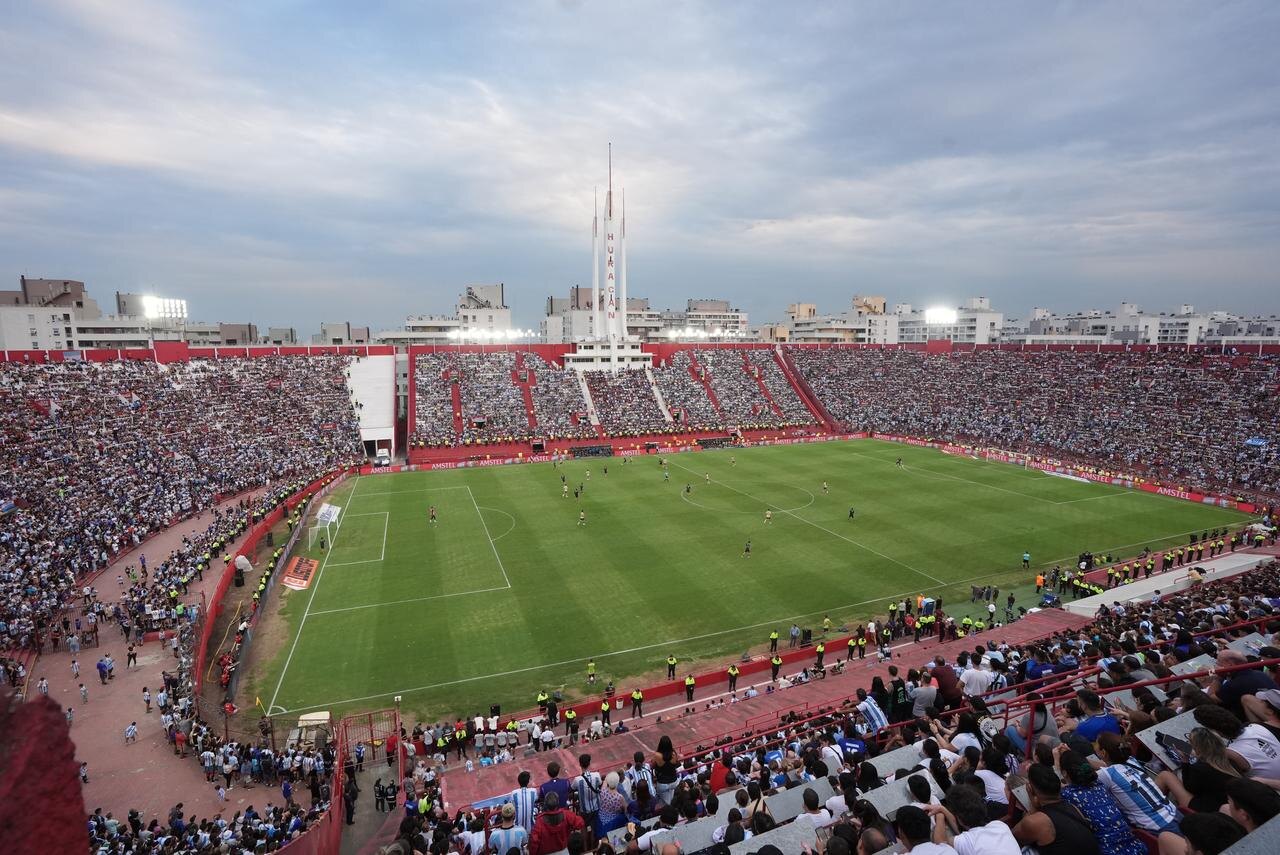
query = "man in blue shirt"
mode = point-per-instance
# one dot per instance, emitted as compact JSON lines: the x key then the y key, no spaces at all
{"x":1094,"y":722}
{"x":554,"y":784}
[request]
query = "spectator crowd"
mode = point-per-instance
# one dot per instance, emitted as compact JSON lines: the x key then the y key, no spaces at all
{"x":929,"y":754}
{"x":1204,"y":420}
{"x":96,"y":457}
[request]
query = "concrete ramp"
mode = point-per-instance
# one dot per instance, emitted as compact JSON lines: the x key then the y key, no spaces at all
{"x":372,"y":384}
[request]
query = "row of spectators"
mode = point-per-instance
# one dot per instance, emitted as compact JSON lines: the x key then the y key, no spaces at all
{"x":303,"y":775}
{"x":95,"y":457}
{"x":433,"y":401}
{"x":1186,"y":418}
{"x":493,"y":408}
{"x":625,"y":404}
{"x":558,"y":404}
{"x":299,"y":770}
{"x":684,"y":393}
{"x":971,"y":783}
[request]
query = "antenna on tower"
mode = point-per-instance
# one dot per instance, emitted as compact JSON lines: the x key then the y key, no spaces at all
{"x":610,"y":168}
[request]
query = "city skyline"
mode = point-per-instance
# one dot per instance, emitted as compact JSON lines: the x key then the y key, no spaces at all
{"x":288,"y":164}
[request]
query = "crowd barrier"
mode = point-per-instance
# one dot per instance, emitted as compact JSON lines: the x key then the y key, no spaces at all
{"x":252,"y":538}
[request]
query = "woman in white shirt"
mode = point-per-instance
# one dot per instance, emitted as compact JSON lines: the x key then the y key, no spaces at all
{"x":991,"y":771}
{"x":1252,"y":748}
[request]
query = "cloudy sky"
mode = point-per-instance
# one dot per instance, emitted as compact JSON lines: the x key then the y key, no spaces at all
{"x":287,"y":162}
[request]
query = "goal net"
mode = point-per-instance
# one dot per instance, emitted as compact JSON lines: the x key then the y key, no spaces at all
{"x":327,"y":520}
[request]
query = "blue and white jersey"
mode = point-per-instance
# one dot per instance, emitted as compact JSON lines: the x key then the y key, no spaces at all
{"x":874,"y":716}
{"x":1140,"y":799}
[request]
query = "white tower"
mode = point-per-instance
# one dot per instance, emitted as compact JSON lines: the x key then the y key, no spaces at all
{"x":609,"y":267}
{"x":610,"y":347}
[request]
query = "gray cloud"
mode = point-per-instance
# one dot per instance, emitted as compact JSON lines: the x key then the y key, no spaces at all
{"x":288,"y":164}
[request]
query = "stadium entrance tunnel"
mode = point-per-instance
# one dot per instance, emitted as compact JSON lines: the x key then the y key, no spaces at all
{"x":752,"y":498}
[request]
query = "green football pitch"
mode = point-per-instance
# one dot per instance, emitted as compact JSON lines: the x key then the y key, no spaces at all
{"x":507,"y":593}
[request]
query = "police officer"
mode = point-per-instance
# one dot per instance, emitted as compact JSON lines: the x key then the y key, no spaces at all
{"x":605,"y":709}
{"x":733,"y":678}
{"x":689,"y":683}
{"x":637,"y":704}
{"x":775,"y":663}
{"x":671,"y":667}
{"x":773,"y":641}
{"x":571,"y":725}
{"x":820,"y":650}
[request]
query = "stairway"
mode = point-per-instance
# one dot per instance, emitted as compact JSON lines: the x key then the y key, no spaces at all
{"x":804,"y":390}
{"x":455,"y":390}
{"x":526,"y":392}
{"x":591,"y":405}
{"x":657,"y":395}
{"x":696,"y":372}
{"x":764,"y":390}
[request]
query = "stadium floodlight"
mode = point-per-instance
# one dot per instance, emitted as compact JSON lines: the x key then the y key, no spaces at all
{"x":453,"y":333}
{"x":155,"y":308}
{"x":940,"y":315}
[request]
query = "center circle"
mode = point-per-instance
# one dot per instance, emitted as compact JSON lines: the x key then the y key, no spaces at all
{"x":724,"y":498}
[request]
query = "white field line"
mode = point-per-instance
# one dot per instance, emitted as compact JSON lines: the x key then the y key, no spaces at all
{"x":298,"y":634}
{"x":407,"y":492}
{"x":410,"y":600}
{"x":643,"y":647}
{"x":386,"y":521}
{"x":505,"y":514}
{"x":666,"y":644}
{"x":1117,"y":491}
{"x":1095,"y":498}
{"x":794,"y":515}
{"x":492,"y":545}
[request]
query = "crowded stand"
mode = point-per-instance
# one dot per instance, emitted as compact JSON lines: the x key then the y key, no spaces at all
{"x":433,"y":400}
{"x":685,"y":394}
{"x":1181,"y":417}
{"x":492,"y":404}
{"x":742,"y":401}
{"x":153,"y":602}
{"x":625,"y":404}
{"x":98,"y":456}
{"x":558,"y":404}
{"x":784,"y":395}
{"x":949,"y":751}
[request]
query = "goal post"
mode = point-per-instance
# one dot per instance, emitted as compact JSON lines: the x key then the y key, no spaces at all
{"x":327,"y":522}
{"x":315,"y":532}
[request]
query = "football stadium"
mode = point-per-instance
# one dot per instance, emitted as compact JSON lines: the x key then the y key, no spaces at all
{"x":647,"y":554}
{"x":800,"y":569}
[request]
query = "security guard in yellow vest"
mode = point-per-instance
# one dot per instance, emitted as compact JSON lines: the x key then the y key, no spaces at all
{"x":689,"y":683}
{"x":460,"y":739}
{"x":571,"y":725}
{"x":862,"y":645}
{"x":637,"y":704}
{"x":773,"y":641}
{"x":671,"y":667}
{"x":853,"y":647}
{"x":605,"y":709}
{"x":775,"y":664}
{"x":821,"y":651}
{"x":733,"y":678}
{"x":543,"y":697}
